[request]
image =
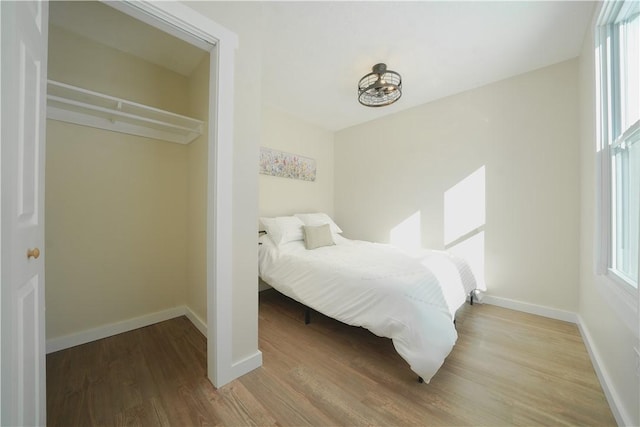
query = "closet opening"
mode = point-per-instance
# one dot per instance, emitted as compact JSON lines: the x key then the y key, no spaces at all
{"x":129,"y":226}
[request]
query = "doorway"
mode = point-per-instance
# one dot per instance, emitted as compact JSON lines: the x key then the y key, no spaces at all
{"x":125,"y":175}
{"x":208,"y":280}
{"x":24,"y":40}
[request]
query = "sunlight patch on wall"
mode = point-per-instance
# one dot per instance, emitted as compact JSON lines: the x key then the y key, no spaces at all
{"x":464,"y":207}
{"x":407,"y":234}
{"x":464,"y":221}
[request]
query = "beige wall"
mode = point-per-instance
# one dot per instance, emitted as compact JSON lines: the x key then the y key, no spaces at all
{"x":115,"y":227}
{"x":283,"y":196}
{"x":611,"y":338}
{"x":89,"y":65}
{"x":523,"y":130}
{"x":116,"y":204}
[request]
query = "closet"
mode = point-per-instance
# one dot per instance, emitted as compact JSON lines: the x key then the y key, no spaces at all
{"x":126,"y":172}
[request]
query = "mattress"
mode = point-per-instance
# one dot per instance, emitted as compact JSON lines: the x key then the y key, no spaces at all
{"x":410,"y":298}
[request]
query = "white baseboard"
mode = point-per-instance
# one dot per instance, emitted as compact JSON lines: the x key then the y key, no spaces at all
{"x":246,"y":365}
{"x":200,"y":324}
{"x":238,"y":369}
{"x":540,"y":310}
{"x":621,"y":416}
{"x":83,"y":337}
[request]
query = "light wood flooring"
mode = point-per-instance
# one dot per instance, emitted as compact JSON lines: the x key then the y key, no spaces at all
{"x":508,"y":368}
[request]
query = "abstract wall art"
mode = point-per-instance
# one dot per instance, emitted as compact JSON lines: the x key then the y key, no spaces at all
{"x":286,"y":165}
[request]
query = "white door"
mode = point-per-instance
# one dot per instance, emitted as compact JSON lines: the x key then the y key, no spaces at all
{"x":23,"y":38}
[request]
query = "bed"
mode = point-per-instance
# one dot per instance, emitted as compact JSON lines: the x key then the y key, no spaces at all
{"x":410,"y":298}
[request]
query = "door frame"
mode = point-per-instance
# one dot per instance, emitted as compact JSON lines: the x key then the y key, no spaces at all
{"x":193,"y":27}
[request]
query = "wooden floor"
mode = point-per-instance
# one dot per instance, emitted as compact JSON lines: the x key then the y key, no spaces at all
{"x":508,"y":368}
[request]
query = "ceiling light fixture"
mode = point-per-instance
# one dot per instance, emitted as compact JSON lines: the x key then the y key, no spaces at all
{"x":379,"y":88}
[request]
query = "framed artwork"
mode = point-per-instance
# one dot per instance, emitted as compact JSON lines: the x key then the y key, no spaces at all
{"x":286,"y":165}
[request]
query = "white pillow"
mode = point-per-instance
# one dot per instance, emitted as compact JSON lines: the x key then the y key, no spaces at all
{"x":314,"y":219}
{"x":316,"y":236}
{"x":283,"y":229}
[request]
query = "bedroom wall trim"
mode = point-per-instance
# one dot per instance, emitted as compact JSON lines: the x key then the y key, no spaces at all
{"x":200,"y":324}
{"x":540,"y":310}
{"x":621,"y":416}
{"x":247,"y":364}
{"x":105,"y":331}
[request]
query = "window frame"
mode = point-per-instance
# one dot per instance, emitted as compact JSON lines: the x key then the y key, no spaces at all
{"x":632,"y":133}
{"x":618,"y":290}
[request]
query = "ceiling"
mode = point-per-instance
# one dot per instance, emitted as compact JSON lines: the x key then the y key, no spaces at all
{"x":105,"y":25}
{"x":314,"y":53}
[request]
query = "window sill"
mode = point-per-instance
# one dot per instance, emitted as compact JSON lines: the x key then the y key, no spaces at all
{"x":623,"y":282}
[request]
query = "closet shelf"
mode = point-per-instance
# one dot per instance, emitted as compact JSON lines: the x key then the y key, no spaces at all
{"x":72,"y":104}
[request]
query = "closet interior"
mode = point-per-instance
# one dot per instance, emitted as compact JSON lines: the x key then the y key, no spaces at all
{"x":126,"y":172}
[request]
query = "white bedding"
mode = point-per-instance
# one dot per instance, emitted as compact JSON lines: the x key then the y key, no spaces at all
{"x":410,"y":299}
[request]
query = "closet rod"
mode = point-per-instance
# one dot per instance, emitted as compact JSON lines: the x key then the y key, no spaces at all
{"x":117,"y":113}
{"x":80,"y":106}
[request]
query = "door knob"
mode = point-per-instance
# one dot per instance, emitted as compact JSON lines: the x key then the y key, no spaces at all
{"x":33,"y":253}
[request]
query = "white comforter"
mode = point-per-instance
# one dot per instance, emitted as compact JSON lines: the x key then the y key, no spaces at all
{"x":410,"y":299}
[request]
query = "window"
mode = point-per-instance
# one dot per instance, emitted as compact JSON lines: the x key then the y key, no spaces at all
{"x":618,"y":71}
